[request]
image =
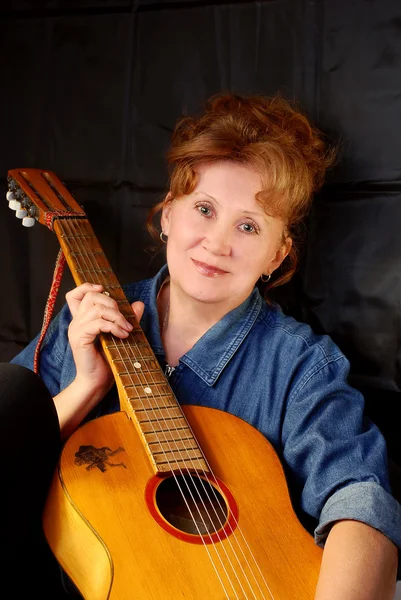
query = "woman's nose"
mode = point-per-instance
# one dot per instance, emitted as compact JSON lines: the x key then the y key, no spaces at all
{"x":218,"y":240}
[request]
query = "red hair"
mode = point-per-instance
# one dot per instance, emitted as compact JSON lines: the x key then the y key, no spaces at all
{"x":270,"y":135}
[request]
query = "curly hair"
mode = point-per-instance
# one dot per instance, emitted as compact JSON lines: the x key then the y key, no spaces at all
{"x":269,"y":134}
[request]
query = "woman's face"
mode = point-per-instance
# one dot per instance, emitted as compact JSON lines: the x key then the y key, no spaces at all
{"x":220,"y":240}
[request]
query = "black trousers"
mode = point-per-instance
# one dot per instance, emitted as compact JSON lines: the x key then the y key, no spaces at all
{"x":30,"y":446}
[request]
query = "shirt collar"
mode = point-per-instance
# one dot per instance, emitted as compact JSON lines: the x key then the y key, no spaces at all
{"x":213,"y":351}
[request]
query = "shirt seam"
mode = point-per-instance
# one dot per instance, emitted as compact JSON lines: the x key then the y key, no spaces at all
{"x":313,"y":371}
{"x":307,"y":342}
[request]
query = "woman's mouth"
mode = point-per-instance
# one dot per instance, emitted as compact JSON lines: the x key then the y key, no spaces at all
{"x":208,"y":270}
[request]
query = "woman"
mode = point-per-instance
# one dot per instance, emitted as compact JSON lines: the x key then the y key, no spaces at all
{"x":242,"y":180}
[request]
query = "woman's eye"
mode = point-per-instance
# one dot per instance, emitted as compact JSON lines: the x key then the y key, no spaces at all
{"x":204,"y":210}
{"x":249,"y":228}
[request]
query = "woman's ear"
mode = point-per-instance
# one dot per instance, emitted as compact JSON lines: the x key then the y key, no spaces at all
{"x":286,"y":248}
{"x":282,"y":252}
{"x":165,"y":217}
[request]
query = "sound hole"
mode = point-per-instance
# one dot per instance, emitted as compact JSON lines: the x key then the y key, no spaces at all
{"x":191,"y":504}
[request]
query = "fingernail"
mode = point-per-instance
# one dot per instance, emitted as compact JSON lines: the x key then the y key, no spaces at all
{"x":129,"y":326}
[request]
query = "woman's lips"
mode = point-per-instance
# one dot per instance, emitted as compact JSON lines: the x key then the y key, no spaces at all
{"x":208,"y":270}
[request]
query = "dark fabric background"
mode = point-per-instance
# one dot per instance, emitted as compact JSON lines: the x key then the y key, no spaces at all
{"x":92,"y":88}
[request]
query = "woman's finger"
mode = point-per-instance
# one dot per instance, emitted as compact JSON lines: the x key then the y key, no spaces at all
{"x":87,"y":333}
{"x":75,"y":296}
{"x":138,"y":307}
{"x":100,"y":311}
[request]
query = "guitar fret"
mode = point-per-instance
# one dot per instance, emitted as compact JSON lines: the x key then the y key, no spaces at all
{"x":135,"y":347}
{"x":137,"y":334}
{"x":86,"y":254}
{"x":147,"y":372}
{"x":147,"y":365}
{"x":139,"y":392}
{"x":132,"y":347}
{"x":126,"y":343}
{"x":196,"y":465}
{"x":105,"y":270}
{"x":78,"y":236}
{"x":150,"y":359}
{"x":168,"y":430}
{"x":192,"y":452}
{"x":142,"y":379}
{"x":168,"y":436}
{"x":150,"y":403}
{"x":167,"y":448}
{"x":180,"y":420}
{"x":177,"y":457}
{"x":113,"y":286}
{"x":78,"y":249}
{"x":175,"y":440}
{"x":132,"y":342}
{"x":128,"y":357}
{"x":159,"y":412}
{"x":153,"y":409}
{"x":129,"y":348}
{"x":164,"y":427}
{"x":155,"y":368}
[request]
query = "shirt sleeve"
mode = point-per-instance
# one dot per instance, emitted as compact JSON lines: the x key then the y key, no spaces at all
{"x":336,"y":456}
{"x":367,"y":502}
{"x":52,"y":353}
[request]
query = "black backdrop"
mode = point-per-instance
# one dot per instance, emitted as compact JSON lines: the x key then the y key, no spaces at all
{"x":92,"y":88}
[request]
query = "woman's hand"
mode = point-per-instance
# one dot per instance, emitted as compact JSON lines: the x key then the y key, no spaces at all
{"x":92,"y":313}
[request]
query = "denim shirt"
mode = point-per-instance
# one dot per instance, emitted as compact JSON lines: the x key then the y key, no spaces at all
{"x":290,"y":384}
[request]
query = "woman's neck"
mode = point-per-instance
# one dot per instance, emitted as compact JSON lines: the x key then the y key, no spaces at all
{"x":183,"y":321}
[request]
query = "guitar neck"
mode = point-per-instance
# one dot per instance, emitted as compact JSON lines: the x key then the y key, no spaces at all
{"x":144,"y":392}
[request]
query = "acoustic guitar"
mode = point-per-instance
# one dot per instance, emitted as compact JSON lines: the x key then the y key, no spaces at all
{"x":159,"y":501}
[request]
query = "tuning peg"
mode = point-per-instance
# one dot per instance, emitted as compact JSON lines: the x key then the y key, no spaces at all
{"x":15,"y":205}
{"x":21,"y":213}
{"x":10,"y":195}
{"x":28,"y":221}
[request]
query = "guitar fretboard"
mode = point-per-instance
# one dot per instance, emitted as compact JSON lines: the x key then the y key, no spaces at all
{"x":144,"y":392}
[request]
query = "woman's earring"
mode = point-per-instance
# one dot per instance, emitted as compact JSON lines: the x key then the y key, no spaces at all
{"x":162,"y":238}
{"x":265,"y":278}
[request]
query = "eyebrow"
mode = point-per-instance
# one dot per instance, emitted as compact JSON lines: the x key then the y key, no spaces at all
{"x":208,"y":195}
{"x":246,"y":212}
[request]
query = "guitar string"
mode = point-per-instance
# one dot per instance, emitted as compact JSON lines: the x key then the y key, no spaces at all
{"x":213,"y":506}
{"x":216,"y":482}
{"x":90,"y":271}
{"x":233,"y":531}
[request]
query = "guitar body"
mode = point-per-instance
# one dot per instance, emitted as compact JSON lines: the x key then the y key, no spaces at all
{"x":104,"y":526}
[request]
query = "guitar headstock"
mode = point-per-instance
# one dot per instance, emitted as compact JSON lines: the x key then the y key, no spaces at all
{"x":38,"y":195}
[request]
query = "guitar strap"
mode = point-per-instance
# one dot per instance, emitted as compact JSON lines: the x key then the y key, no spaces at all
{"x":49,"y":308}
{"x":55,"y":286}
